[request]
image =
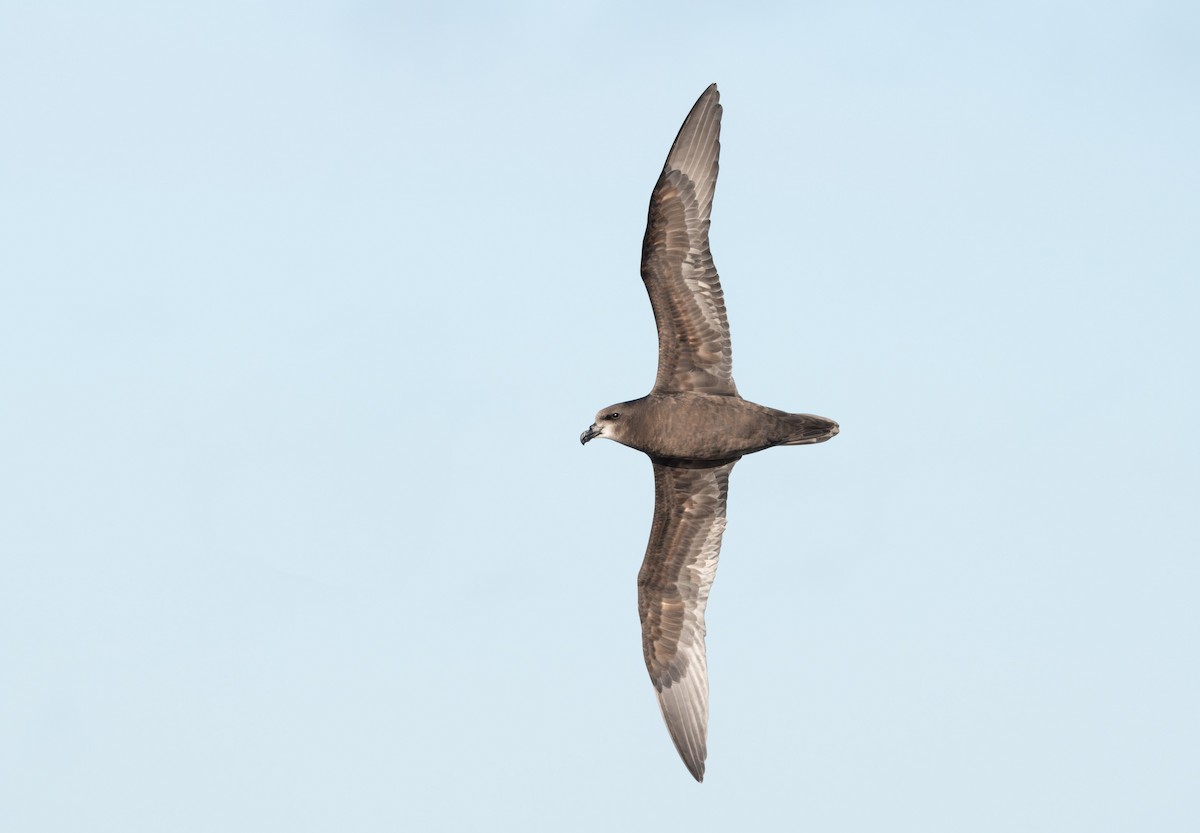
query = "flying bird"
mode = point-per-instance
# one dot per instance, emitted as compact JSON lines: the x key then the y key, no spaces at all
{"x":693,"y":425}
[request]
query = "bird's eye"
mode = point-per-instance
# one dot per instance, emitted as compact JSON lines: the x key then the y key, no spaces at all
{"x":613,"y":415}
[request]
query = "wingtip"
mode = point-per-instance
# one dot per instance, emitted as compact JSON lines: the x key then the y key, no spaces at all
{"x":695,"y":765}
{"x":685,"y":712}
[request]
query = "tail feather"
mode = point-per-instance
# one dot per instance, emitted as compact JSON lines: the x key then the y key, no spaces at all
{"x":809,"y":428}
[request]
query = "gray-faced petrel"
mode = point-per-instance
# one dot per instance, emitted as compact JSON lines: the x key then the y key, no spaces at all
{"x":693,"y":425}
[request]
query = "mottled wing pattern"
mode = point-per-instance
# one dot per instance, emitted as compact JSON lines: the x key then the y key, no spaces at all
{"x":694,"y":352}
{"x":673,"y":585}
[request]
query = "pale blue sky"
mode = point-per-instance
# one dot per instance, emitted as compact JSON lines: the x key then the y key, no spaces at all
{"x":304,"y":305}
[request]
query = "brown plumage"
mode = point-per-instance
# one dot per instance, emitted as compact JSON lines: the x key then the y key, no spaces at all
{"x":693,"y":425}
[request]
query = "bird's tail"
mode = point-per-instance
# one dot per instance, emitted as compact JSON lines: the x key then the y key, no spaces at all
{"x":809,"y":428}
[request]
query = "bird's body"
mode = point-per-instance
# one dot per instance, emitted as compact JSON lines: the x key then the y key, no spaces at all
{"x":694,"y":426}
{"x":703,"y":427}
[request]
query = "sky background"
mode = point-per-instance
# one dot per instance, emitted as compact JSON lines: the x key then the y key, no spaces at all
{"x":303,"y":307}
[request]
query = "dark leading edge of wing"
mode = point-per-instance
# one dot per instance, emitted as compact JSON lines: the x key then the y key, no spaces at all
{"x":673,"y":585}
{"x":694,"y":352}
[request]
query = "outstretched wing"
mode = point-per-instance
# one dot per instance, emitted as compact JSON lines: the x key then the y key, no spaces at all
{"x":694,"y":352}
{"x":673,"y":585}
{"x":677,"y":267}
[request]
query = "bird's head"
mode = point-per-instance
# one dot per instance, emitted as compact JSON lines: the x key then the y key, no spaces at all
{"x":611,"y":422}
